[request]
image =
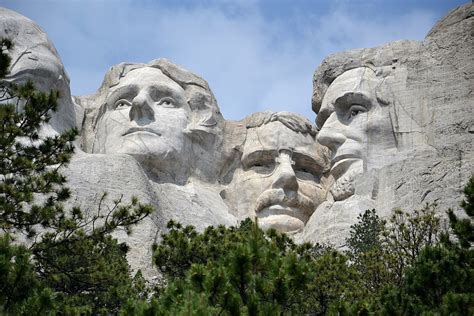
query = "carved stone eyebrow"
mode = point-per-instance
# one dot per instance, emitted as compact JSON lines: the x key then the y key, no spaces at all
{"x":124,"y":92}
{"x":343,"y":102}
{"x":162,"y":90}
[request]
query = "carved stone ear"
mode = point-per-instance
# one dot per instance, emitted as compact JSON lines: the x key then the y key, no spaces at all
{"x":208,"y":121}
{"x":200,"y":135}
{"x":201,"y":131}
{"x":383,"y":93}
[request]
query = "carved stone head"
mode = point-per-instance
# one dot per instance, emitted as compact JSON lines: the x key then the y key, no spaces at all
{"x":358,"y":129}
{"x":278,"y":181}
{"x":34,"y":58}
{"x":368,"y":113}
{"x":159,"y":113}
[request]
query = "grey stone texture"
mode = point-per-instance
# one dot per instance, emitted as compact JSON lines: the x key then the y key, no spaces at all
{"x":35,"y":58}
{"x":399,"y":121}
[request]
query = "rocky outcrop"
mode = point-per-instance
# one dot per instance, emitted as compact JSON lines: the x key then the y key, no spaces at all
{"x":411,"y":142}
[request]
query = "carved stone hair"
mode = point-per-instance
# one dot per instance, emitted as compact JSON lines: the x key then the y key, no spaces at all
{"x":293,"y":121}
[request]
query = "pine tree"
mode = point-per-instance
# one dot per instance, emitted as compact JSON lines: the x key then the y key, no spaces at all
{"x":243,"y":270}
{"x":440,"y":281}
{"x":463,"y":228}
{"x":73,"y":266}
{"x":29,"y":164}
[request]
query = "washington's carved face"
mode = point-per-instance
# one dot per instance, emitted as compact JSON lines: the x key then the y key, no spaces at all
{"x":358,"y":129}
{"x":279,"y":182}
{"x":35,"y":59}
{"x":146,"y":115}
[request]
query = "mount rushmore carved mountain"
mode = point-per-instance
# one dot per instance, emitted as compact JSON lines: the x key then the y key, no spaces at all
{"x":394,"y":129}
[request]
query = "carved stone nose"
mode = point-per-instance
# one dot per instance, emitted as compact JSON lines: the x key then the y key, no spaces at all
{"x":331,"y":134}
{"x":141,"y":108}
{"x":285,"y":175}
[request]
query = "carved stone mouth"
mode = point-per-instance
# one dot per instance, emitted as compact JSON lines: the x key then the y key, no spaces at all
{"x":282,"y":222}
{"x":343,"y":157}
{"x":342,"y":164}
{"x":141,"y":129}
{"x":279,"y":209}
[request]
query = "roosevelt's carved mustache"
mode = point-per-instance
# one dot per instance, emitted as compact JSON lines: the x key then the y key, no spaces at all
{"x":278,"y":196}
{"x":140,"y":129}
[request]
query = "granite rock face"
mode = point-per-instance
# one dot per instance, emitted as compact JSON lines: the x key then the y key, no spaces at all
{"x":399,"y":121}
{"x":35,"y":58}
{"x":394,"y":130}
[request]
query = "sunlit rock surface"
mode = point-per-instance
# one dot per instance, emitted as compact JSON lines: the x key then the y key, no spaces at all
{"x":394,"y":130}
{"x":35,"y":58}
{"x":399,"y":120}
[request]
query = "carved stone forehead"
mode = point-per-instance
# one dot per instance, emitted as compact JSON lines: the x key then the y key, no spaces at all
{"x":275,"y":135}
{"x":35,"y":58}
{"x":361,"y":79}
{"x":146,"y":76}
{"x":148,"y":79}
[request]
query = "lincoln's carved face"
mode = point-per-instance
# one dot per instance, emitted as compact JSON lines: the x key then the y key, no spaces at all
{"x":358,"y":129}
{"x":145,"y":116}
{"x":279,"y":182}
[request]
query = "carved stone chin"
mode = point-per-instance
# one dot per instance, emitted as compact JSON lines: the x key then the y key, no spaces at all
{"x":343,"y":187}
{"x":345,"y":171}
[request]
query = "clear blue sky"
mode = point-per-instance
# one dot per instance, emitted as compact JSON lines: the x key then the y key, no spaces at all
{"x":256,"y":55}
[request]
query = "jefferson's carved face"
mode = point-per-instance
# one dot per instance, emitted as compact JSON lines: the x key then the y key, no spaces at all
{"x":358,"y":129}
{"x":279,"y":182}
{"x":146,"y":115}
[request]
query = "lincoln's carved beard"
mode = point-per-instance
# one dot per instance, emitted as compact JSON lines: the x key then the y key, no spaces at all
{"x":344,"y":187}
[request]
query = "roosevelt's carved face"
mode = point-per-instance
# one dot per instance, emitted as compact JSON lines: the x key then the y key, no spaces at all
{"x":146,"y":115}
{"x":358,"y":129}
{"x":279,"y":182}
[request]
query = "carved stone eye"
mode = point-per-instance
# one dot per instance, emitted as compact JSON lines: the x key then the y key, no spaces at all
{"x":356,"y":109}
{"x":167,"y":101}
{"x":122,"y":104}
{"x":306,"y":173}
{"x":355,"y":112}
{"x":262,"y":166}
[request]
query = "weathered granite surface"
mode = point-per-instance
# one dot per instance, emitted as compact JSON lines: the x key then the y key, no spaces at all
{"x":35,"y":58}
{"x":394,"y":129}
{"x":399,"y":120}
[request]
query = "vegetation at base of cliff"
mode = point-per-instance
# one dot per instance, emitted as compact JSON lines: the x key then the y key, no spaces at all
{"x":407,"y":265}
{"x":242,"y":270}
{"x":69,"y":263}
